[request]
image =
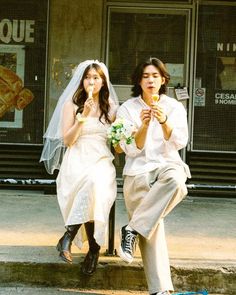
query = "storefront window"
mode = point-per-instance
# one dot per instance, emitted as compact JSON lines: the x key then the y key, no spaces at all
{"x":137,"y":35}
{"x":23,"y":31}
{"x":214,"y":126}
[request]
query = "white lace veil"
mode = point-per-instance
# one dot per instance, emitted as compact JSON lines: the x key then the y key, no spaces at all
{"x":54,"y":148}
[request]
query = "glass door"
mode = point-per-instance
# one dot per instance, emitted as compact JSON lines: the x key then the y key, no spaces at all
{"x":214,"y":97}
{"x":137,"y":33}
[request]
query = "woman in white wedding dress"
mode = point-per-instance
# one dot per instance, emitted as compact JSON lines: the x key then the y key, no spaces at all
{"x":86,"y":183}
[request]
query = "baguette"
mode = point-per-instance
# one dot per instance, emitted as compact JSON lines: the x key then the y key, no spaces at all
{"x":13,"y":81}
{"x":12,"y":93}
{"x":7,"y":98}
{"x":24,"y":98}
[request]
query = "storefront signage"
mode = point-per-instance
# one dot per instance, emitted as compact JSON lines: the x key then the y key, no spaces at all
{"x":225,"y":98}
{"x":181,"y":93}
{"x":229,"y":47}
{"x":17,"y":31}
{"x":200,"y":97}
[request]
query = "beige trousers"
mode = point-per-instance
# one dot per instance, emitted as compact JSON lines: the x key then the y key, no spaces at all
{"x":149,"y":197}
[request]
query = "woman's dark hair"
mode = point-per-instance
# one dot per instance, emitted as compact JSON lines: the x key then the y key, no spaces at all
{"x":138,"y":74}
{"x":80,"y":95}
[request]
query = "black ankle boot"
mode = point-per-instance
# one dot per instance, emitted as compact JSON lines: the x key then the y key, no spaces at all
{"x":64,"y":244}
{"x":91,"y":259}
{"x":90,"y":262}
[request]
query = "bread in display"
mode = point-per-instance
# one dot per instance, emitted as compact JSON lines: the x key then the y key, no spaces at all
{"x":13,"y":94}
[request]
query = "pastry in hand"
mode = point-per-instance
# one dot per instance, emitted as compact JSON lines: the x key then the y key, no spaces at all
{"x":155,"y":98}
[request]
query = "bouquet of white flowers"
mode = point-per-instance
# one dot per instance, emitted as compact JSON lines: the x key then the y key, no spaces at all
{"x":120,"y":130}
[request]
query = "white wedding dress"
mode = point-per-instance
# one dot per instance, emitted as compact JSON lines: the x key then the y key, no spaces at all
{"x":86,"y":183}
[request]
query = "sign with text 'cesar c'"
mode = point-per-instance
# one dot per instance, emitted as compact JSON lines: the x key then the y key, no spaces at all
{"x":17,"y":31}
{"x":225,"y":98}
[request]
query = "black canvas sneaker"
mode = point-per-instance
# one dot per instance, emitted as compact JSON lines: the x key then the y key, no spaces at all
{"x":127,"y":246}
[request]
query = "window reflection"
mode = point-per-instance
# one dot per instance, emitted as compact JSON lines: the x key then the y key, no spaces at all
{"x":137,"y":36}
{"x":214,"y":111}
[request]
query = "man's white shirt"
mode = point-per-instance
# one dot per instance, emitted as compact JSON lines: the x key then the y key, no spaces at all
{"x":157,"y":151}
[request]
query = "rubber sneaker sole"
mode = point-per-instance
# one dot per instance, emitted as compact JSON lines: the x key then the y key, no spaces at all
{"x":123,"y":256}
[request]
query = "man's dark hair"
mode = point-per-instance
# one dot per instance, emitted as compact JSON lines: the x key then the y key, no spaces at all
{"x":138,"y":73}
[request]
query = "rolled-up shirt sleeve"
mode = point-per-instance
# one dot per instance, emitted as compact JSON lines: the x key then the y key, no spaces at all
{"x":131,"y":149}
{"x":179,"y":135}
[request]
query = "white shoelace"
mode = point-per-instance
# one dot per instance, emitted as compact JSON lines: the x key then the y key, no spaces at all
{"x":129,"y":242}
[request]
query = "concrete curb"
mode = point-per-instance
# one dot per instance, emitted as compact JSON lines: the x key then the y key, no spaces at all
{"x":114,"y":274}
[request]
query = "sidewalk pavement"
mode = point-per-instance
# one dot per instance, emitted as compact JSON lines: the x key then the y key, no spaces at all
{"x":201,"y":237}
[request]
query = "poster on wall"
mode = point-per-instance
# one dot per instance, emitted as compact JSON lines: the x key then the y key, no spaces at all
{"x":23,"y":32}
{"x":14,"y":97}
